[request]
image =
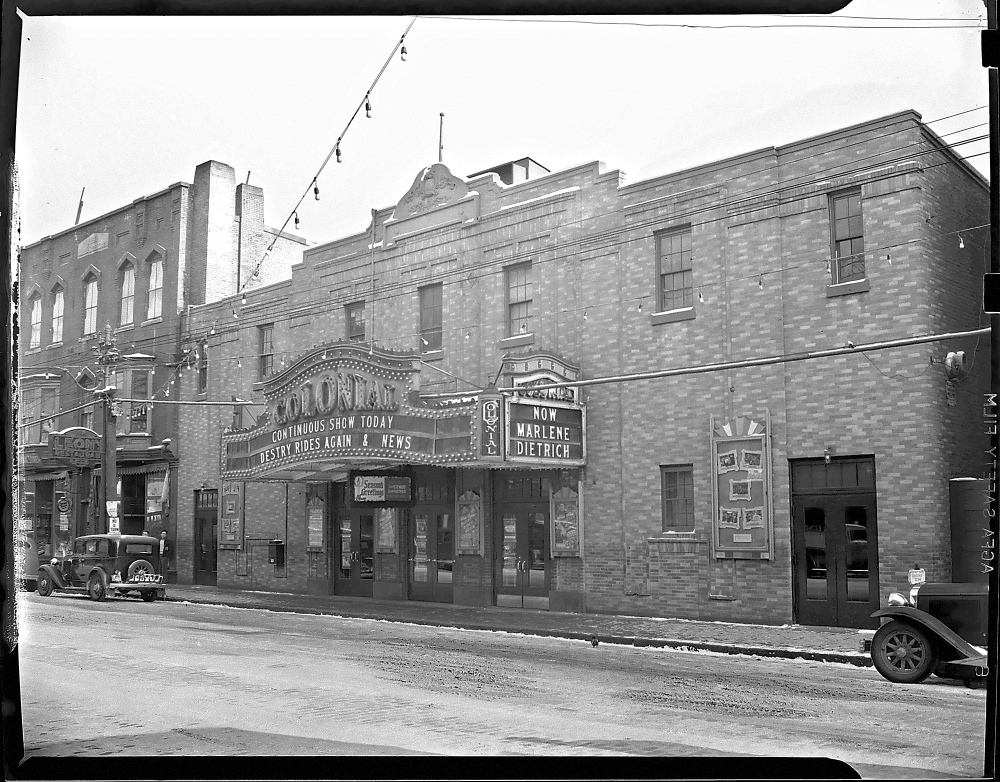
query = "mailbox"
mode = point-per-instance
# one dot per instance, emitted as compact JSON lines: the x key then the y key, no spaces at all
{"x":276,"y":553}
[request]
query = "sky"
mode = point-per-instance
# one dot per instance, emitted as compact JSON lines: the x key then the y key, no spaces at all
{"x":126,"y":106}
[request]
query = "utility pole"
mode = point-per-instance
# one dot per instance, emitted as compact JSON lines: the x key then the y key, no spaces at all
{"x":108,"y":357}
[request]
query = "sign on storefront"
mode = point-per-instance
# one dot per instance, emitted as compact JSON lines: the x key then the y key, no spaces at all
{"x":77,"y":445}
{"x":381,"y":488}
{"x":231,"y":511}
{"x":545,"y":432}
{"x":741,"y":490}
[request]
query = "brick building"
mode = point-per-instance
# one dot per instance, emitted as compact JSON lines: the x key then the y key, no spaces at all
{"x":130,"y":274}
{"x":455,"y":404}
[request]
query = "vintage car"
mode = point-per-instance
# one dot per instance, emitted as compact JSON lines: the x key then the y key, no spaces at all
{"x":934,"y":629}
{"x":103,"y":564}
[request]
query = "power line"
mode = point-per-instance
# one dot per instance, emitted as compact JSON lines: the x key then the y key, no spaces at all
{"x":978,"y":23}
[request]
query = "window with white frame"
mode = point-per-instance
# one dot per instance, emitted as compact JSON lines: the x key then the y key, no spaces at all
{"x":90,"y":305}
{"x":677,"y":490}
{"x":35,"y":315}
{"x":128,"y":295}
{"x":41,"y":404}
{"x":673,"y":270}
{"x":355,"y":316}
{"x":58,"y":311}
{"x":518,"y":299}
{"x":265,"y":350}
{"x":154,"y":307}
{"x":133,"y":383}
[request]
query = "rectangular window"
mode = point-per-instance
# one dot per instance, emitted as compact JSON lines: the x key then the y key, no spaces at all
{"x":355,"y":314}
{"x":202,"y":367}
{"x":847,"y":230}
{"x":49,"y":406}
{"x":87,"y":419}
{"x":36,"y":322}
{"x":155,"y":301}
{"x":134,"y":416}
{"x":678,"y":497}
{"x":90,"y":306}
{"x":431,"y":308}
{"x":58,"y":309}
{"x":128,"y":295}
{"x":518,"y":299}
{"x":673,"y":270}
{"x":265,"y":336}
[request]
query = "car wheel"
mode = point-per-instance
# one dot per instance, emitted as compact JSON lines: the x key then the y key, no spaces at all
{"x":95,"y":587}
{"x":903,"y":653}
{"x":139,"y":566}
{"x":44,"y":584}
{"x":148,"y":595}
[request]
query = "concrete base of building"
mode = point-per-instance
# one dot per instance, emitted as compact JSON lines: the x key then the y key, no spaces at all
{"x":567,"y":602}
{"x":479,"y":596}
{"x":388,"y":590}
{"x":318,"y":586}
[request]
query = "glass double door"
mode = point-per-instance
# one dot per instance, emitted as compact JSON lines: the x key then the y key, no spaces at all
{"x":355,"y":553}
{"x":431,"y":554}
{"x":523,"y":562}
{"x":836,"y":560}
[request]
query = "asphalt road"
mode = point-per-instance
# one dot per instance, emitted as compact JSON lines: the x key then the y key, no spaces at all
{"x":132,"y":678}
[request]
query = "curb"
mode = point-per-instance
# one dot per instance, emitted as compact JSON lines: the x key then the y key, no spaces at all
{"x":856,"y":659}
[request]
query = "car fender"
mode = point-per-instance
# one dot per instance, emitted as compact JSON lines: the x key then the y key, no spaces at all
{"x":938,"y":628}
{"x":57,"y":578}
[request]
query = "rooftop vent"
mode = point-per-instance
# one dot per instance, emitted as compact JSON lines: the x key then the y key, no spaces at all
{"x":515,"y":171}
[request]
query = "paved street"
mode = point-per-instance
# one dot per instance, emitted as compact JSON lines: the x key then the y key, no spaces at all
{"x":187,"y":679}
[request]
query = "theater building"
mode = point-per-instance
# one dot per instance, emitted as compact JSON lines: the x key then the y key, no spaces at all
{"x":541,"y":390}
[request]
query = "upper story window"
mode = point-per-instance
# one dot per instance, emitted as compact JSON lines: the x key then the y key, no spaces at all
{"x":847,"y":232}
{"x":677,"y":483}
{"x":133,"y":383}
{"x":518,"y":299}
{"x":154,"y":306}
{"x":673,"y":270}
{"x":90,"y":305}
{"x":202,"y":367}
{"x":35,"y":314}
{"x":265,"y":343}
{"x":355,"y":314}
{"x":58,"y":311}
{"x":41,"y":405}
{"x":431,"y":308}
{"x":128,"y":295}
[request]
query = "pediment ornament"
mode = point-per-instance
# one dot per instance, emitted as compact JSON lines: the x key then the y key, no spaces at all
{"x":433,"y":188}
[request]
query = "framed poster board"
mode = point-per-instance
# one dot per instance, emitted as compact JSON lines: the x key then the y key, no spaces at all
{"x":315,"y":518}
{"x":565,"y":514}
{"x":742,"y":526}
{"x":385,"y":530}
{"x":470,"y":524}
{"x":231,"y":515}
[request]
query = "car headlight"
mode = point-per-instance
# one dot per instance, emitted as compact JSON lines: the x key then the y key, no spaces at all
{"x":898,"y":599}
{"x":53,"y":561}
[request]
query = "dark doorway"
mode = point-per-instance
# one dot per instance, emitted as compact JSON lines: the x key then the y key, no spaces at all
{"x":521,"y":513}
{"x":835,"y":542}
{"x":432,"y":554}
{"x":133,"y":497}
{"x":206,"y":527}
{"x":355,"y":552}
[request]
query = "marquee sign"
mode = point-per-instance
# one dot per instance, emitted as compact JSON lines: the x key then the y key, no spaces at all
{"x":77,"y":445}
{"x":544,"y":432}
{"x":529,"y":376}
{"x":345,"y":405}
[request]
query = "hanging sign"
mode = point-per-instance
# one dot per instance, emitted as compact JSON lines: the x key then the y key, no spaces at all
{"x":545,"y":432}
{"x":381,"y":488}
{"x":77,"y":445}
{"x":741,"y":490}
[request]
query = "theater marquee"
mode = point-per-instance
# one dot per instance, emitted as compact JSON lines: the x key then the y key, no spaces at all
{"x":545,"y":433}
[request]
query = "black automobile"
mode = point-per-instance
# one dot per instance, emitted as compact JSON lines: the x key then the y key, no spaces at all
{"x":935,"y":629}
{"x":100,"y":565}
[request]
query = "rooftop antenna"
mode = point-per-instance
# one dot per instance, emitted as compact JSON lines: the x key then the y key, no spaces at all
{"x":441,"y":140}
{"x":79,"y":209}
{"x":248,"y":177}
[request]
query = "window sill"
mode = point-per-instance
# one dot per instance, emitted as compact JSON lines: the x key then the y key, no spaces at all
{"x":518,"y":341}
{"x":54,"y":345}
{"x":152,"y":321}
{"x":671,"y":316}
{"x":847,"y":288}
{"x":87,"y":337}
{"x":432,"y":355}
{"x":33,"y":351}
{"x":124,"y":327}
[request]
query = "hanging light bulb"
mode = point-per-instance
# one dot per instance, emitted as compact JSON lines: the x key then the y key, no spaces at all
{"x":337,"y":150}
{"x":585,"y":314}
{"x":368,"y":108}
{"x":213,"y":329}
{"x":701,"y":298}
{"x":239,"y":363}
{"x":402,"y":54}
{"x":760,"y":282}
{"x":640,"y":306}
{"x":888,"y":257}
{"x":316,"y":190}
{"x":961,"y":242}
{"x":827,"y":265}
{"x":296,"y":228}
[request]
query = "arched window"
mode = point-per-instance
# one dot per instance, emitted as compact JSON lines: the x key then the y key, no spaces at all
{"x":155,"y":301}
{"x":128,"y":295}
{"x":58,"y":309}
{"x":90,"y":305}
{"x":35,"y":314}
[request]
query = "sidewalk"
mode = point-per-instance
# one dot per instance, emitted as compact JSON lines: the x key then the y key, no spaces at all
{"x":827,"y":644}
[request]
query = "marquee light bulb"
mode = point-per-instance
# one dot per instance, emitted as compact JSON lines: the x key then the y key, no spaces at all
{"x":402,"y":54}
